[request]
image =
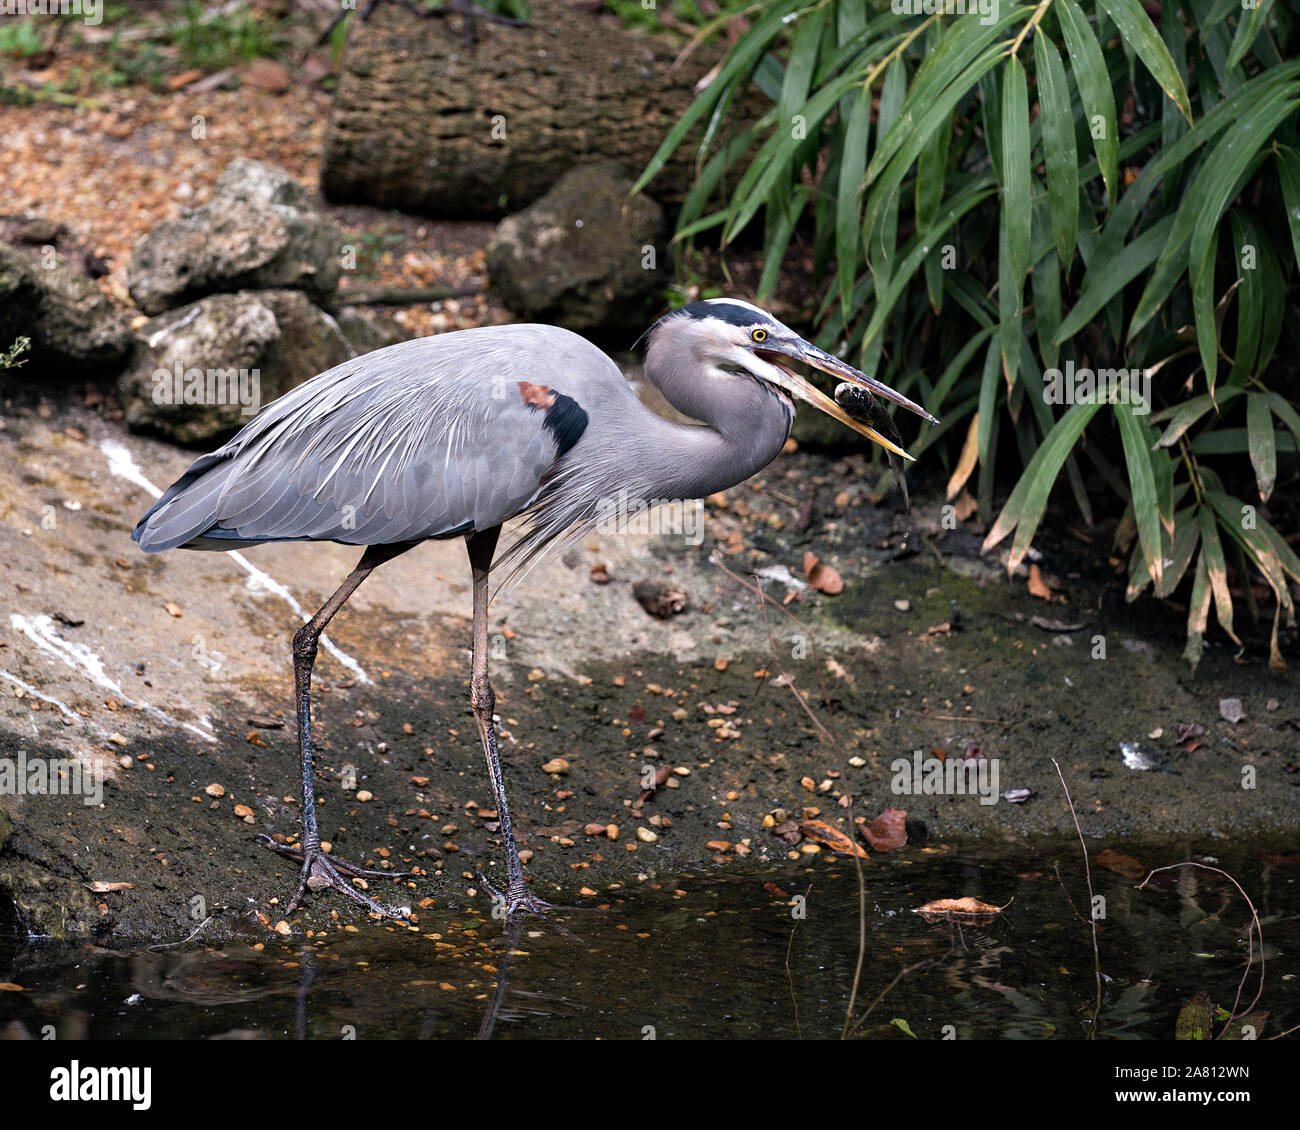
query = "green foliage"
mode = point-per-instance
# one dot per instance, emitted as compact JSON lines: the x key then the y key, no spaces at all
{"x":13,"y":357}
{"x":1142,"y":177}
{"x":214,"y":38}
{"x":21,"y":37}
{"x":634,"y":13}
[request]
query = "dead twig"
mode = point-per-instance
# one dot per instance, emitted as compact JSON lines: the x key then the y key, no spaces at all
{"x":1087,"y":872}
{"x":886,"y":990}
{"x":794,"y":1000}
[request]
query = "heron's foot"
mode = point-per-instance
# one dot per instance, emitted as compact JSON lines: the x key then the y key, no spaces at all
{"x":320,"y":871}
{"x":518,"y":900}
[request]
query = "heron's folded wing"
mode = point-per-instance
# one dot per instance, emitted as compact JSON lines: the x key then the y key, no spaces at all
{"x":406,"y":443}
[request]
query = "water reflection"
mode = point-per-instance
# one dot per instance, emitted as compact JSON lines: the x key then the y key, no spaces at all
{"x":711,"y":956}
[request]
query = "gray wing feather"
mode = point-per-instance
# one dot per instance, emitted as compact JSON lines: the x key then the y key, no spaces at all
{"x":423,"y":439}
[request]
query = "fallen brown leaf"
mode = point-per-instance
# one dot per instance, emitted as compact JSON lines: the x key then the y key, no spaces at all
{"x":833,"y":838}
{"x":964,"y":506}
{"x":103,"y":886}
{"x":1037,"y":586}
{"x":1121,"y":864}
{"x":822,"y":577}
{"x":887,"y":832}
{"x":965,"y":905}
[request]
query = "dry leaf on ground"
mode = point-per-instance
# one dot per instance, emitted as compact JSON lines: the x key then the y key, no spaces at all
{"x":831,"y":837}
{"x":887,"y":832}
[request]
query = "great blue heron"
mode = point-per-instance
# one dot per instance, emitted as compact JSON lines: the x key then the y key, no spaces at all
{"x":452,"y":435}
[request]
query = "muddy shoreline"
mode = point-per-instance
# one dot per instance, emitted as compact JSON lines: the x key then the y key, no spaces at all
{"x":929,"y":648}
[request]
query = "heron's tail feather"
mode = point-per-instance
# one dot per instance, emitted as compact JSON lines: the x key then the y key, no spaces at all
{"x":187,"y":510}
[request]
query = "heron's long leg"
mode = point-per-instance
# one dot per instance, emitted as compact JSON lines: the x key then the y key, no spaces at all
{"x":481,"y":547}
{"x":317,"y":869}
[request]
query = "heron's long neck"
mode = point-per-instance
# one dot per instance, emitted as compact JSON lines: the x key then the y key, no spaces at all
{"x":745,"y":426}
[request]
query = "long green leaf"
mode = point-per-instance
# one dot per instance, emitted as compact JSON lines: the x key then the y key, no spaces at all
{"x":772,"y":164}
{"x":1016,"y":211}
{"x":1184,"y":415}
{"x":1198,"y":615}
{"x":1273,"y":287}
{"x":799,"y":68}
{"x":1263,"y":442}
{"x":1010,"y":310}
{"x":1178,"y":550}
{"x":957,"y":59}
{"x":1212,"y":552}
{"x":1288,"y":172}
{"x":1262,"y":96}
{"x":882,"y":240}
{"x":737,"y":64}
{"x":1229,"y":162}
{"x":1146,"y":512}
{"x":848,"y":205}
{"x":921,"y":245}
{"x":1250,"y":296}
{"x":1024,"y":508}
{"x":1089,"y":66}
{"x":1107,"y":278}
{"x":1140,"y":33}
{"x":1286,"y":413}
{"x":781,"y":228}
{"x":924,"y":119}
{"x":1249,"y":24}
{"x":1060,"y":152}
{"x":1045,"y":279}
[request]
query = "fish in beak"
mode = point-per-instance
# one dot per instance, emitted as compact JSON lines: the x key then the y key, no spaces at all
{"x":774,"y":351}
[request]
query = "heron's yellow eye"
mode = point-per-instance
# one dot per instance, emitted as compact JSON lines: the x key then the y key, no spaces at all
{"x":758,"y":335}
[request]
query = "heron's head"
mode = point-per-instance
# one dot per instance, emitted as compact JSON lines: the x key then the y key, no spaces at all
{"x":722,"y":338}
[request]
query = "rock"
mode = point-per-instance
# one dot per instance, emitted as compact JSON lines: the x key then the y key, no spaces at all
{"x":75,"y":329}
{"x":421,"y":123}
{"x":1230,"y":710}
{"x":39,"y":230}
{"x":659,"y":598}
{"x":249,"y":348}
{"x":47,"y":905}
{"x":6,"y":826}
{"x":575,"y":257}
{"x":367,"y":330}
{"x":259,"y":231}
{"x":267,"y":74}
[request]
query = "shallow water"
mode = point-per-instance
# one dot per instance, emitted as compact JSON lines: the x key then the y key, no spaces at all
{"x":717,"y":956}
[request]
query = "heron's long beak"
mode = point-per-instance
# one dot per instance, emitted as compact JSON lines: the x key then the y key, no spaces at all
{"x":809,"y":354}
